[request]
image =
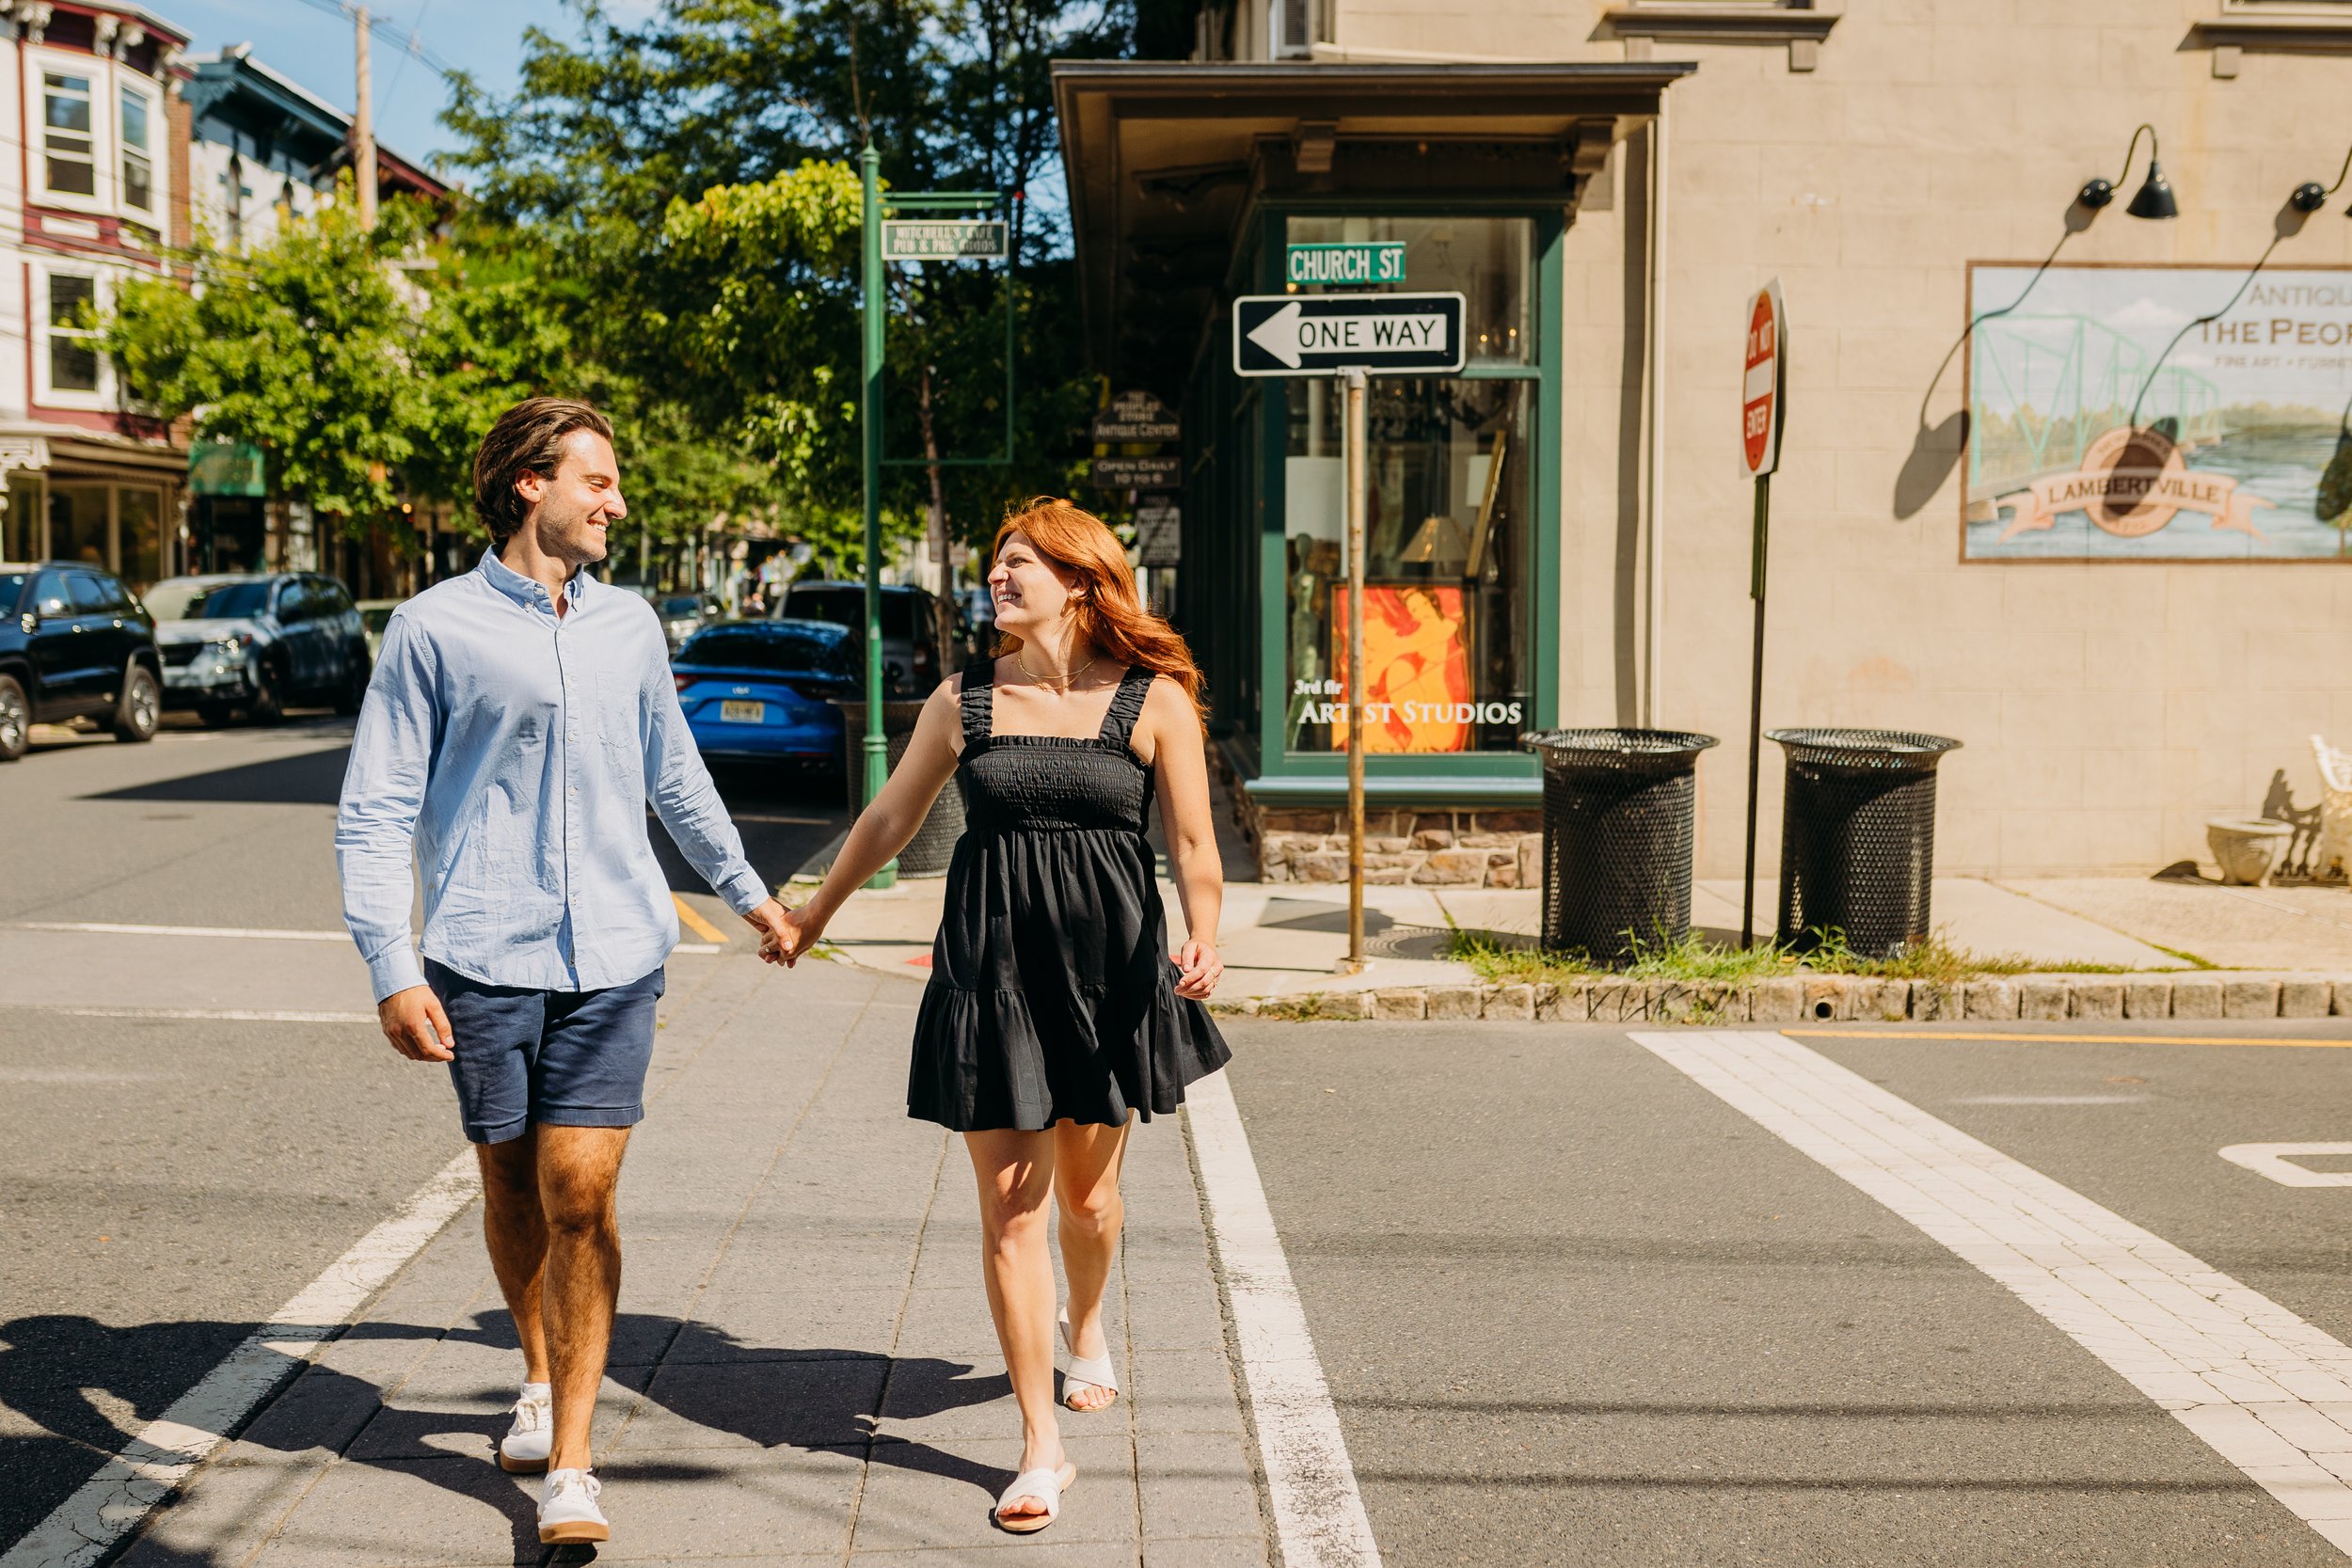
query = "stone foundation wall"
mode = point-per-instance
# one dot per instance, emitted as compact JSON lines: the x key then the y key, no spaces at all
{"x":1456,"y":848}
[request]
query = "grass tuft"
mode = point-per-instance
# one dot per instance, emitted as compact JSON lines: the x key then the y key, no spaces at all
{"x":1693,"y":958}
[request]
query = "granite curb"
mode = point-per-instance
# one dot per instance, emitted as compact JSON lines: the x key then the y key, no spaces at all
{"x":1823,"y":998}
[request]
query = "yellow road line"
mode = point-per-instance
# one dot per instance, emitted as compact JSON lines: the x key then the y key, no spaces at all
{"x":2057,"y":1040}
{"x":695,"y":922}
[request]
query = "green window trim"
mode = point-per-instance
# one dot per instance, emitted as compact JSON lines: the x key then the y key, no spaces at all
{"x":1277,"y":772}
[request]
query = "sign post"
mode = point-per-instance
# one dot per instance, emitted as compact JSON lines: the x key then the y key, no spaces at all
{"x":1352,"y":336}
{"x":1763,"y":396}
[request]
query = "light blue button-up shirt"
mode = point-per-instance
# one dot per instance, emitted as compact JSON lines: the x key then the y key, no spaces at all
{"x":511,"y":753}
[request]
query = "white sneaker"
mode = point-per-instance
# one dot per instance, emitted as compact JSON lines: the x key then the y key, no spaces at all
{"x":568,"y":1511}
{"x":524,"y":1449}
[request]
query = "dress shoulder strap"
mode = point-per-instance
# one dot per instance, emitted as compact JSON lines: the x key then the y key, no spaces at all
{"x":1119,"y":724}
{"x":976,"y":701}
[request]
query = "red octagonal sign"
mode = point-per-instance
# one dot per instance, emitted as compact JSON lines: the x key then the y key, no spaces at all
{"x":1763,"y":382}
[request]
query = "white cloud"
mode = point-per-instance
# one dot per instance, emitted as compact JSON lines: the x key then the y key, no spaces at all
{"x":2144,"y":315}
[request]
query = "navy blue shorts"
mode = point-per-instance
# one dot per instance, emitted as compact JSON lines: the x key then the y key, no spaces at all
{"x":559,"y":1058}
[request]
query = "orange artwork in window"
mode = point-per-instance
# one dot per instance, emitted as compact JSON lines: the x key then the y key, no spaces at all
{"x":1416,"y":678}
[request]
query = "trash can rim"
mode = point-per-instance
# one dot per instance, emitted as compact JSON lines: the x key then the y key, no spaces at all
{"x":1863,"y":747}
{"x":1619,"y":743}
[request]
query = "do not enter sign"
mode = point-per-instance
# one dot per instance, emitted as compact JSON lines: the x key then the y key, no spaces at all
{"x":1764,"y":385}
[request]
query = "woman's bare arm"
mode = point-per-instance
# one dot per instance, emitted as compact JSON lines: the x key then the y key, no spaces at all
{"x":885,"y":826}
{"x":1179,"y":761}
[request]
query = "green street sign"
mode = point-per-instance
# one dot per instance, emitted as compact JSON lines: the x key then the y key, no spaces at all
{"x":1369,"y":261}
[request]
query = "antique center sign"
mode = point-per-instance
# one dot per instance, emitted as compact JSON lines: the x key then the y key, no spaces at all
{"x":944,"y":240}
{"x":1762,"y":389}
{"x":1314,"y":335}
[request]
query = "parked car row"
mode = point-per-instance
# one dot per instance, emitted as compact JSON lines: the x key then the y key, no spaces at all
{"x":75,"y":644}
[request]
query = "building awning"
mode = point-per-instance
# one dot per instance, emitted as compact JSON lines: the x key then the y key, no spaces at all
{"x":1164,"y":161}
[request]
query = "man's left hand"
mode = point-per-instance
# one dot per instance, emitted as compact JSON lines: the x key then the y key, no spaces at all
{"x":768,"y":920}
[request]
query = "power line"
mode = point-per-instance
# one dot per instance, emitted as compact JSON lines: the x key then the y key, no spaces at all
{"x":410,"y":43}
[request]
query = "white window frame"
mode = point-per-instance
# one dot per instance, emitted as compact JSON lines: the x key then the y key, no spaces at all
{"x":44,"y":393}
{"x":131,"y":84}
{"x":38,"y":65}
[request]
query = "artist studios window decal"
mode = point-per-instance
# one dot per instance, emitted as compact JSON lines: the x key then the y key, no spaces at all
{"x":2238,"y":426}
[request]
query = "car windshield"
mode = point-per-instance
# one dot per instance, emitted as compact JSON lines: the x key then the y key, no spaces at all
{"x":186,"y":599}
{"x":677,"y":609}
{"x":846,"y":607}
{"x":735,"y":648}
{"x":12,"y":589}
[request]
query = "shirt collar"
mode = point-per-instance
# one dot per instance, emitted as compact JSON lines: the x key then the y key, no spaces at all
{"x":528,"y":591}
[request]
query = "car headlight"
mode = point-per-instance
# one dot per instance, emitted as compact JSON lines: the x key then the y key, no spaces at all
{"x":227,"y":650}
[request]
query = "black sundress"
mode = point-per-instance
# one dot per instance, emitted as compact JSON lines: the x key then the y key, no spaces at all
{"x":1052,"y":994}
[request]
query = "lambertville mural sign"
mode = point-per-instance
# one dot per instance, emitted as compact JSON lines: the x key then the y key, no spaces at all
{"x":2243,"y":446}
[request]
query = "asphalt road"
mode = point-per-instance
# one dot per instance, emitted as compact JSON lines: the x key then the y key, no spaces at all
{"x":168,"y":1182}
{"x":1575,"y":1309}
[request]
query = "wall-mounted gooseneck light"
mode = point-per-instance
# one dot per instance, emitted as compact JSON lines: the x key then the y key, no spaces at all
{"x":2153,"y":198}
{"x":2310,"y":195}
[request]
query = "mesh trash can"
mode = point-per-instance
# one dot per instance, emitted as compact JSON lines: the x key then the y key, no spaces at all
{"x":1617,"y":837}
{"x":934,"y":843}
{"x":1857,"y":836}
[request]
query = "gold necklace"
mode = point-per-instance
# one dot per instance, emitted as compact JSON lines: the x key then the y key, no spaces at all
{"x":1049,"y":680}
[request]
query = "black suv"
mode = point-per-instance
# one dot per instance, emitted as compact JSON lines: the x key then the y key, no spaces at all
{"x":258,"y":644}
{"x":74,"y":644}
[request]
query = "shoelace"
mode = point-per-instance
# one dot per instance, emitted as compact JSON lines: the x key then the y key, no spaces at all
{"x":531,"y":1415}
{"x":576,"y":1481}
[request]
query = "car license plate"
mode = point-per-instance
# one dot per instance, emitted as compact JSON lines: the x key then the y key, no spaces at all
{"x":742,"y":713}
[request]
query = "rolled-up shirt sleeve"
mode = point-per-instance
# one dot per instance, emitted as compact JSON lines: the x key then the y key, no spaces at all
{"x":688,"y":802}
{"x":375,"y":822}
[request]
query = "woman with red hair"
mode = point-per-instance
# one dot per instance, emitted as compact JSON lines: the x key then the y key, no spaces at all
{"x":1055,"y":1015}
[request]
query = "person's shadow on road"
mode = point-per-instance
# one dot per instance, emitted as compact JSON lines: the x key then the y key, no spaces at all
{"x":813,"y":1398}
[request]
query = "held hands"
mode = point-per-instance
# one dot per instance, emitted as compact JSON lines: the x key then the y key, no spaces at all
{"x":769,"y":921}
{"x":796,"y":932}
{"x":1201,"y":969}
{"x":414,"y":1022}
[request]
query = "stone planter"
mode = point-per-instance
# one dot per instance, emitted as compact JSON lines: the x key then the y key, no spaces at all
{"x":2244,"y":848}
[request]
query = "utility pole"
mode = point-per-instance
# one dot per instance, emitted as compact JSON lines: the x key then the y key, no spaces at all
{"x":364,"y":123}
{"x":877,"y":748}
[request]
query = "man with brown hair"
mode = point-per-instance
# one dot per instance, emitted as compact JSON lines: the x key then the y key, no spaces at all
{"x":521,"y":717}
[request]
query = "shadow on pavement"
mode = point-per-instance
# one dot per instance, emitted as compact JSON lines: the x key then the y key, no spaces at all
{"x":306,"y":779}
{"x":61,"y":1372}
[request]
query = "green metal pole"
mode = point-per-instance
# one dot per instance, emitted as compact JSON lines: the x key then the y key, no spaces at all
{"x":870,"y":414}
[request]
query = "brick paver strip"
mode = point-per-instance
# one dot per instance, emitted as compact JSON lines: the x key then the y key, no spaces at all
{"x":804,"y":1368}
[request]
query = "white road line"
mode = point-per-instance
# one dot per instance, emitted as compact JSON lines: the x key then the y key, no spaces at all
{"x":1318,"y":1514}
{"x":110,"y":930}
{"x":113,"y":1502}
{"x":221,"y":1015}
{"x":2267,"y":1392}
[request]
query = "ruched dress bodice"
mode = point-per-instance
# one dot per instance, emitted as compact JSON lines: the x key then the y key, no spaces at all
{"x":1052,"y":992}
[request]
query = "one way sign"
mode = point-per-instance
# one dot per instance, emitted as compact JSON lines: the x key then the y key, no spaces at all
{"x":1317,"y":334}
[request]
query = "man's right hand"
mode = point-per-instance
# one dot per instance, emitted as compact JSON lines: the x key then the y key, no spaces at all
{"x":414,"y":1023}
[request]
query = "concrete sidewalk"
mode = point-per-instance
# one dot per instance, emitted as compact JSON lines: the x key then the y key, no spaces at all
{"x":803,"y":1370}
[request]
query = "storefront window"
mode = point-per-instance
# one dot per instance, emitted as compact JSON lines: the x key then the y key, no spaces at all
{"x":1486,"y":260}
{"x":77,"y":525}
{"x":1446,"y":564}
{"x":21,"y":536}
{"x":140,"y":521}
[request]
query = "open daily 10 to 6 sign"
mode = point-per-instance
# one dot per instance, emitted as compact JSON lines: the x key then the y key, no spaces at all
{"x":944,"y":240}
{"x":1316,"y":334}
{"x":1764,"y":389}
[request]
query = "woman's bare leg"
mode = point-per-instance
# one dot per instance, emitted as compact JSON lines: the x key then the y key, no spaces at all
{"x":1015,"y":1171}
{"x":1085,"y":1179}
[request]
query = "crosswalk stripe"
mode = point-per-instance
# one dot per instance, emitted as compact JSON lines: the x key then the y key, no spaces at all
{"x":2267,"y":1392}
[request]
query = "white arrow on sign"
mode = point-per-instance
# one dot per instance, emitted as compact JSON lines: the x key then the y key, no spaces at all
{"x":1289,"y":334}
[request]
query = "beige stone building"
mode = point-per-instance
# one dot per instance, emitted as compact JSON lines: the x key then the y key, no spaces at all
{"x":2127,"y":641}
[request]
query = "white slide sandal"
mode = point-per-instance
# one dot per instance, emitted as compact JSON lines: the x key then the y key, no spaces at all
{"x":1046,"y":1486}
{"x":1086,"y":1372}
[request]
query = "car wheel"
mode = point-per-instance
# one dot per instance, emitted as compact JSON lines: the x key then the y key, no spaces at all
{"x":212,"y":715}
{"x":354,"y":690}
{"x":141,"y":708}
{"x":267,"y":704}
{"x":16,"y":720}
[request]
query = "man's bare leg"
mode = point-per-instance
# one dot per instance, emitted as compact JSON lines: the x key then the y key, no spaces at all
{"x":579,"y":1171}
{"x":517,"y":1233}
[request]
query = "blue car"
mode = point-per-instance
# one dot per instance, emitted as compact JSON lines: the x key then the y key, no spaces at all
{"x":756,"y":690}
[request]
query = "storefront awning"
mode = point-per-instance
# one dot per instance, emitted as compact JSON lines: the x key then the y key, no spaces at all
{"x":1166,"y":160}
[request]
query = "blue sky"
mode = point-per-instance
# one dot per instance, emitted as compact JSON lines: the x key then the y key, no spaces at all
{"x":314,"y":48}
